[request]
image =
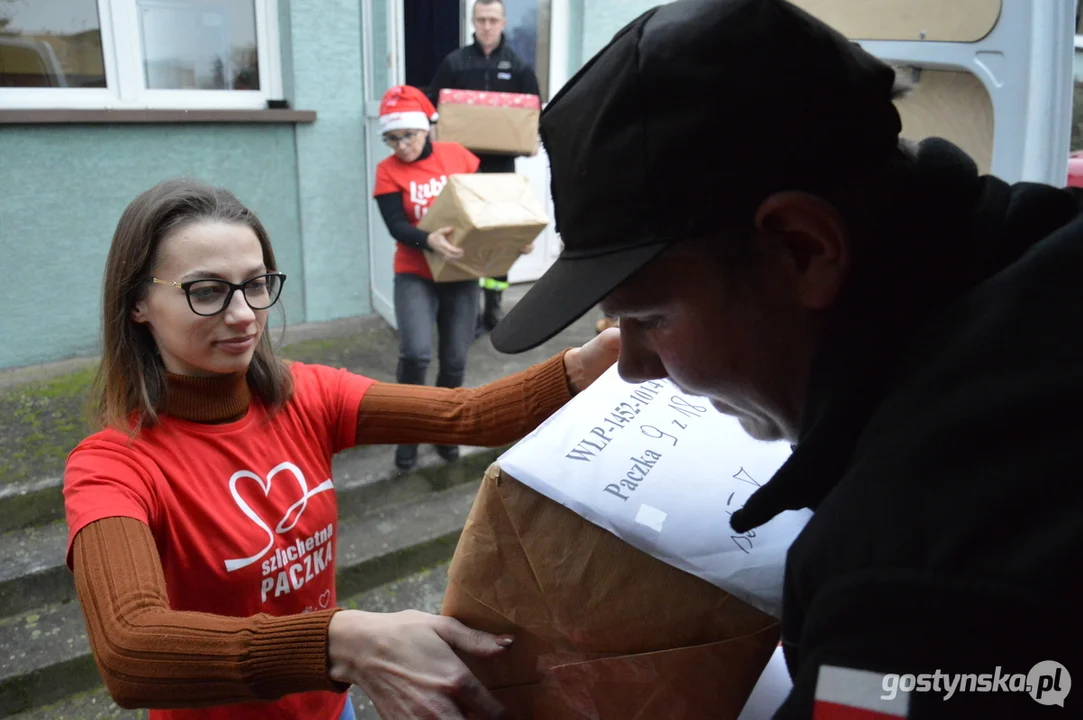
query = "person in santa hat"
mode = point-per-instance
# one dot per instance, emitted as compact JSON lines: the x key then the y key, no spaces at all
{"x":407,"y":182}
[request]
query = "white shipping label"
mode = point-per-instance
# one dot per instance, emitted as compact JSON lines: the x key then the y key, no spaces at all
{"x":664,"y":471}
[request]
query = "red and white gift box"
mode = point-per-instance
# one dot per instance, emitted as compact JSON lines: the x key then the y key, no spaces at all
{"x":490,"y":122}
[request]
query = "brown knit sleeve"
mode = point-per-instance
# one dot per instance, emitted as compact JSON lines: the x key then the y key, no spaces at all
{"x":491,"y":415}
{"x":153,"y":657}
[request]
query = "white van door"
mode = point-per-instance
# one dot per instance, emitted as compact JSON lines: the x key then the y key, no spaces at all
{"x":992,"y":76}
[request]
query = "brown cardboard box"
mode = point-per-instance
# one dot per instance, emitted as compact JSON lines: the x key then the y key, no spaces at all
{"x":603,"y":631}
{"x":495,"y":215}
{"x":490,"y":122}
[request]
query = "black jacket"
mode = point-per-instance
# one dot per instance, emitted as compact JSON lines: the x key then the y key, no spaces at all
{"x":942,"y":452}
{"x":502,"y":70}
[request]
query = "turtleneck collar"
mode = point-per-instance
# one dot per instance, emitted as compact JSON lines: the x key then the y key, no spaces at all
{"x":211,"y":400}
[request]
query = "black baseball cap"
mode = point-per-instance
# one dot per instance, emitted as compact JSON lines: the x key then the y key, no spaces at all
{"x":690,"y":117}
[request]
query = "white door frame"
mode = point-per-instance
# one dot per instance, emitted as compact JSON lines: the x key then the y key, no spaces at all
{"x":381,"y":274}
{"x":559,"y":51}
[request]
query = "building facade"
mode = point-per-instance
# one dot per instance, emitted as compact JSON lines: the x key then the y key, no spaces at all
{"x":277,"y":100}
{"x":273,"y":99}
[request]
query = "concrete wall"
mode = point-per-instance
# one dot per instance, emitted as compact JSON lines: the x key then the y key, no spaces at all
{"x":602,"y":19}
{"x":64,"y":188}
{"x":325,"y":36}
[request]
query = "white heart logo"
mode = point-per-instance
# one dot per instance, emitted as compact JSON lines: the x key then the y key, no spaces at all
{"x":289,"y":519}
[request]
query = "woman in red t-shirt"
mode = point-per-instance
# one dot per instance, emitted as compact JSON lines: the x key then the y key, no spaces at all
{"x":203,"y":520}
{"x":406,"y":184}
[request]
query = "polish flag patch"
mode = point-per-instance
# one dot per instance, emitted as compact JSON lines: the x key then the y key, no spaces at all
{"x":848,"y":694}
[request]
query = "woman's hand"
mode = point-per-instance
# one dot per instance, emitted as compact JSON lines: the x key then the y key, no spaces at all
{"x":584,"y":365}
{"x":406,"y":664}
{"x":440,"y":245}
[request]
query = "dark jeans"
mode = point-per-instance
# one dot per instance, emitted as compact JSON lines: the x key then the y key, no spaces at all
{"x":453,"y":306}
{"x":496,"y":163}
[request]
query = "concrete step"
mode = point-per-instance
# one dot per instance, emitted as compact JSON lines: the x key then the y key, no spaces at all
{"x":33,"y":503}
{"x":41,"y":412}
{"x":35,"y":573}
{"x":423,"y":590}
{"x":48,"y":656}
{"x":30,"y":502}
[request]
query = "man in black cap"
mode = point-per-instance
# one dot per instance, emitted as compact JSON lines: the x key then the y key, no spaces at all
{"x":912,"y":328}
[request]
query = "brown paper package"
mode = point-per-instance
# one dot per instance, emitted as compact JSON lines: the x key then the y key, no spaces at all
{"x":495,"y":215}
{"x":603,"y":631}
{"x":489,"y":129}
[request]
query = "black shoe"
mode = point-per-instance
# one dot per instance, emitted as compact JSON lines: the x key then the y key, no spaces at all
{"x":492,"y":318}
{"x":405,"y":457}
{"x":492,"y":314}
{"x":448,"y":452}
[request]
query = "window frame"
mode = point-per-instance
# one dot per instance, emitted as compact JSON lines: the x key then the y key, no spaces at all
{"x":125,"y":74}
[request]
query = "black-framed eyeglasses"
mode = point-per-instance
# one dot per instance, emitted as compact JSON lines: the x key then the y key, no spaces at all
{"x":210,"y":296}
{"x":392,"y":140}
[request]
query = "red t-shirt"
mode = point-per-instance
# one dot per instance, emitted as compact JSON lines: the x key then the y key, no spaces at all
{"x":420,"y":182}
{"x":244,"y":514}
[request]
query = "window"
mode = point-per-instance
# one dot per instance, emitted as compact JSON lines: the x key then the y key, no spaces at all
{"x":40,"y":46}
{"x":182,"y":54}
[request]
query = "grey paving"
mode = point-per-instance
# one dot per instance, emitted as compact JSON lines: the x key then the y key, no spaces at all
{"x":42,"y":420}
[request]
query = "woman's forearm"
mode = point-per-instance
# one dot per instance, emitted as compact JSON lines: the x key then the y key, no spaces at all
{"x":394,"y":216}
{"x":151,"y":656}
{"x":491,"y":415}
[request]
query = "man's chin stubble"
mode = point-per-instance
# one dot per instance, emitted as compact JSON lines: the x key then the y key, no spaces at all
{"x":760,"y":429}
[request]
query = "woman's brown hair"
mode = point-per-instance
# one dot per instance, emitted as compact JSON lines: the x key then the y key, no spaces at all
{"x":131,"y":381}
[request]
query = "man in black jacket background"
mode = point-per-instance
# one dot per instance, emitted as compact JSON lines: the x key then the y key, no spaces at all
{"x":488,"y":63}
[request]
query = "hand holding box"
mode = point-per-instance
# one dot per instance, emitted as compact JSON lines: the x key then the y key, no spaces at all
{"x":495,"y":216}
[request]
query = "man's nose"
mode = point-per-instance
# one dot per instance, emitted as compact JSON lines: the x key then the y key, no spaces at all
{"x":637,"y":362}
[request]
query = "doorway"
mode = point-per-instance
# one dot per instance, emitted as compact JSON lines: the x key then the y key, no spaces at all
{"x":431,"y":30}
{"x":404,"y":42}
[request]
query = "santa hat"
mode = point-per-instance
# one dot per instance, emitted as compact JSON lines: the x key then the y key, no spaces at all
{"x":404,"y":107}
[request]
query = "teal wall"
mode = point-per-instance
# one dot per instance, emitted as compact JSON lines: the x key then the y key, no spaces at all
{"x":326,"y":59}
{"x":575,"y":36}
{"x":601,"y":21}
{"x":64,"y":188}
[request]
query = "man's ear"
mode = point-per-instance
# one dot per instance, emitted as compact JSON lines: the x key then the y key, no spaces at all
{"x":815,"y":240}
